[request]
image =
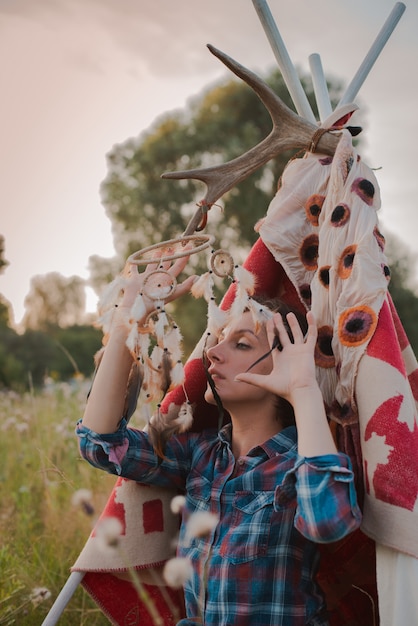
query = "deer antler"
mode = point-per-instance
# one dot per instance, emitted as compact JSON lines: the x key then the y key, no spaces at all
{"x":290,"y":131}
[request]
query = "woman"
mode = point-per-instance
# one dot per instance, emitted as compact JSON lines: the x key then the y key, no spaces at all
{"x":272,"y":477}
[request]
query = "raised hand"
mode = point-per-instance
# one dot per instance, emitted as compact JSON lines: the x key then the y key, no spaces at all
{"x":293,"y":362}
{"x":162,"y":275}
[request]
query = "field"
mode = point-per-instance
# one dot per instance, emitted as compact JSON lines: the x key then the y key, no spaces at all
{"x":41,"y":530}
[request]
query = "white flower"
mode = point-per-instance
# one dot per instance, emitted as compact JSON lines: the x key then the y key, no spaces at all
{"x":201,"y":524}
{"x":177,"y":571}
{"x":83,"y":498}
{"x":109,"y":531}
{"x":177,"y":504}
{"x":39,"y":594}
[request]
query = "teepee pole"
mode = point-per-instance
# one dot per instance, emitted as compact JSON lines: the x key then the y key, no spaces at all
{"x":63,"y":598}
{"x":320,"y":87}
{"x":376,"y":48}
{"x":286,"y":66}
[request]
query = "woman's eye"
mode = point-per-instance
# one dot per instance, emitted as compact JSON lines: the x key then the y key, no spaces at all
{"x":241,"y":345}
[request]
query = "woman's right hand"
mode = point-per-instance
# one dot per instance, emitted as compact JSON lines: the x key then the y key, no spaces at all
{"x":143,"y":283}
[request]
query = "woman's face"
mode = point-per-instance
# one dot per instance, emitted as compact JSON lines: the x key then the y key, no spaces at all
{"x":238,"y":347}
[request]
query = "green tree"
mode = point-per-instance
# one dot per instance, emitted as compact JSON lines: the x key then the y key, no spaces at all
{"x":54,"y":300}
{"x":403,"y":287}
{"x":77,"y":346}
{"x":216,"y":126}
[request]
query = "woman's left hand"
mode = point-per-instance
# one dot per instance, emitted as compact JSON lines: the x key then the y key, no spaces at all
{"x":293,"y":362}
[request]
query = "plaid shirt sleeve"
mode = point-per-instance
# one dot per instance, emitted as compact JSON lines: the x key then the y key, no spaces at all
{"x":128,"y":452}
{"x":327,"y":508}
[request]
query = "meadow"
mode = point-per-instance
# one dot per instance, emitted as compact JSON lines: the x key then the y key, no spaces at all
{"x":41,"y":530}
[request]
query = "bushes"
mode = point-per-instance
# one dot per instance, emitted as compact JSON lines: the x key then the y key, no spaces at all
{"x":61,"y":353}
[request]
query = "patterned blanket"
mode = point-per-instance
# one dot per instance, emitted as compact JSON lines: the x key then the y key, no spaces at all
{"x":320,"y":248}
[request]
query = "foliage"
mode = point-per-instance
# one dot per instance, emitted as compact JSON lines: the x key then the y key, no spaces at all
{"x":59,"y":353}
{"x":217,"y":126}
{"x":55,"y":299}
{"x":402,"y":288}
{"x":3,"y":262}
{"x":41,"y":532}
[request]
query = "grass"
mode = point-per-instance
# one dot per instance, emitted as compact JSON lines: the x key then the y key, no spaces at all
{"x":41,"y":531}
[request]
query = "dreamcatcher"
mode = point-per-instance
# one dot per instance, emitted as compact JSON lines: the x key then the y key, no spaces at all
{"x":154,"y":339}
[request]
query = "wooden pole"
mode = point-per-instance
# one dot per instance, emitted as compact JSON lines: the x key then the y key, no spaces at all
{"x":320,"y":87}
{"x":286,"y":66}
{"x":370,"y":58}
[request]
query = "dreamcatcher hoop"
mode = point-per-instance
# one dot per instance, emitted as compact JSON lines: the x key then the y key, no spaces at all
{"x":171,"y":249}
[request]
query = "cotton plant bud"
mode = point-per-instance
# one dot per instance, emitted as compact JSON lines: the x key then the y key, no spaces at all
{"x":109,"y":531}
{"x":177,"y":572}
{"x":83,"y":498}
{"x":39,"y":595}
{"x":177,"y":504}
{"x":201,"y":524}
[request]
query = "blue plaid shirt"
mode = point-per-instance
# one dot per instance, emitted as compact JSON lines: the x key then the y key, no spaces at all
{"x":258,"y":566}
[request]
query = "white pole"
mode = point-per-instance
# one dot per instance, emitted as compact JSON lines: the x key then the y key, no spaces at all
{"x":63,"y":598}
{"x":320,"y":87}
{"x":369,"y":60}
{"x":286,"y":67}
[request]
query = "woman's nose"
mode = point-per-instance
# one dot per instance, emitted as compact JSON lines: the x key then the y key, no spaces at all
{"x":214,"y":353}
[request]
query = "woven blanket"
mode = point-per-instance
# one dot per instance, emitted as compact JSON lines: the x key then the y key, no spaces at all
{"x":320,"y":248}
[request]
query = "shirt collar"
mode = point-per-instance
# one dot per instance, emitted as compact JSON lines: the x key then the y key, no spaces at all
{"x":282,"y":443}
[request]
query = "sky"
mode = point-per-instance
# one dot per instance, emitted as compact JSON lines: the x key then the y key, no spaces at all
{"x":79,"y":76}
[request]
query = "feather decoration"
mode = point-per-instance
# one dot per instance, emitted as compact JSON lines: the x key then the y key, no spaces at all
{"x":105,"y":320}
{"x":217,"y":318}
{"x":177,"y":374}
{"x":138,"y":310}
{"x":185,"y":417}
{"x":156,"y":357}
{"x":143,"y":343}
{"x":112,"y":293}
{"x":172,"y":341}
{"x":132,"y":340}
{"x":203,"y":286}
{"x":136,"y":377}
{"x":166,"y":366}
{"x":245,"y":279}
{"x":239,"y":304}
{"x":260,"y":313}
{"x":160,"y":324}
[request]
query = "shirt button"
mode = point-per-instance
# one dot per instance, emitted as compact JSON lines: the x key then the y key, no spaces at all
{"x":240,"y":461}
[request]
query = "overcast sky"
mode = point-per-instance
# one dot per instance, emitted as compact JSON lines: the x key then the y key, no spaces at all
{"x":79,"y":76}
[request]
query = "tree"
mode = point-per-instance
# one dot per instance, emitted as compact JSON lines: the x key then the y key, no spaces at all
{"x":218,"y":125}
{"x":54,"y":300}
{"x":3,"y":262}
{"x":402,"y":286}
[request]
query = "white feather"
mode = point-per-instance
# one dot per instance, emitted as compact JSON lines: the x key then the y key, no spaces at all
{"x":185,"y":417}
{"x":111,"y":293}
{"x":217,"y":318}
{"x":132,"y":340}
{"x":203,"y":287}
{"x":138,"y":311}
{"x":245,"y":279}
{"x":177,"y":374}
{"x":172,"y":341}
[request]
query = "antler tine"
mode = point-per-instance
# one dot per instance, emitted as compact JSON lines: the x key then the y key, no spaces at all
{"x":290,"y":131}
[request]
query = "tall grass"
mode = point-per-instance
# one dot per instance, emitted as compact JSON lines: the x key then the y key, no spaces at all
{"x":41,"y":531}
